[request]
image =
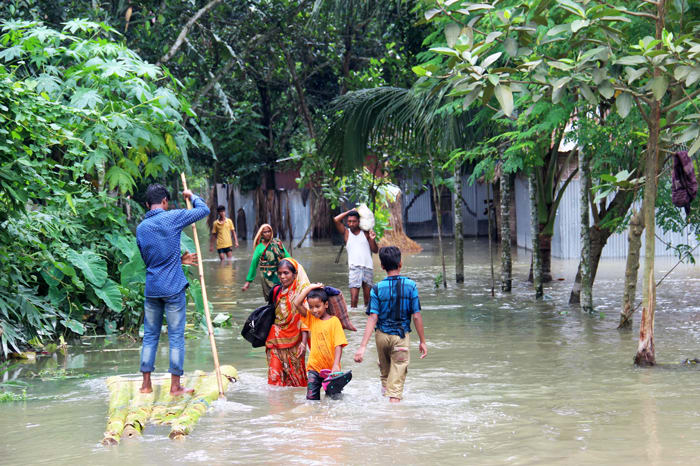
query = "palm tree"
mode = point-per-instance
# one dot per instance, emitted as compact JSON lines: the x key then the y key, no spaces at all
{"x":421,"y":121}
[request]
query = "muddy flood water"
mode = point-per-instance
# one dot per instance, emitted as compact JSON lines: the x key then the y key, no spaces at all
{"x":506,"y":381}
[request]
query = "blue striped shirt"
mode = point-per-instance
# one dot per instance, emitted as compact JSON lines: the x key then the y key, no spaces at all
{"x":382,"y":302}
{"x":158,"y":238}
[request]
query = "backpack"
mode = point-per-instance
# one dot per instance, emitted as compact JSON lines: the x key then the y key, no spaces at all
{"x":684,"y":185}
{"x":257,"y":326}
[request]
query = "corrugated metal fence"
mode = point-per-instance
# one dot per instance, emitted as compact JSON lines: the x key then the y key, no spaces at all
{"x":566,"y":242}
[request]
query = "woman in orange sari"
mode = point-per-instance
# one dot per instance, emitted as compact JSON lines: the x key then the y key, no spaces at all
{"x":286,"y":342}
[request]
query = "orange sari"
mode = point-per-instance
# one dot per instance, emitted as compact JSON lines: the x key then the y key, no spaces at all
{"x":284,"y":367}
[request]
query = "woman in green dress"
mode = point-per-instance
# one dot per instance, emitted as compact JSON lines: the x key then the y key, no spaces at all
{"x":268,"y":253}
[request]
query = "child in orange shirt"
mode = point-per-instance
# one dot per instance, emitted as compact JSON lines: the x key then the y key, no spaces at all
{"x":327,"y":341}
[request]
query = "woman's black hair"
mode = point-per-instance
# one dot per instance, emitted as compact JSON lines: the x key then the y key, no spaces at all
{"x":318,"y":293}
{"x":287,"y":264}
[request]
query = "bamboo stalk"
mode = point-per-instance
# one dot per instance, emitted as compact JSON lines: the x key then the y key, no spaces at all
{"x":210,"y":327}
{"x":119,"y":398}
{"x":204,"y":394}
{"x":139,"y":412}
{"x":166,"y":407}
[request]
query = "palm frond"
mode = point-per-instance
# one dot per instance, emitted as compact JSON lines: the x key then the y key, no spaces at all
{"x":424,"y":119}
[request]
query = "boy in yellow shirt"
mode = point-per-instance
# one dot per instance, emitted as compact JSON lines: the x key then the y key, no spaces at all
{"x":327,"y":342}
{"x":222,"y":230}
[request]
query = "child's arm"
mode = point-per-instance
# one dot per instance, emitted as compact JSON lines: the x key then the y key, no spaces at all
{"x":212,"y":237}
{"x":336,"y":358}
{"x":418,"y":322}
{"x":302,"y":346}
{"x":371,"y":323}
{"x":235,"y":237}
{"x":299,"y":300}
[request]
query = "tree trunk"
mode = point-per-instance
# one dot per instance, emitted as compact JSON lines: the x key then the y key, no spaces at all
{"x":635,"y":244}
{"x":459,"y":236}
{"x":489,"y":211}
{"x":438,"y":213}
{"x":536,"y":250}
{"x":586,"y":282}
{"x":599,"y":238}
{"x":618,"y":207}
{"x":303,"y":107}
{"x":645,"y":351}
{"x":545,"y":255}
{"x":506,"y":260}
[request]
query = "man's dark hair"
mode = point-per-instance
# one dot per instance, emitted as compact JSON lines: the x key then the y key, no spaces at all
{"x":354,"y":213}
{"x":390,"y":257}
{"x":155,"y":193}
{"x":221,"y":209}
{"x":287,"y":265}
{"x":318,"y":293}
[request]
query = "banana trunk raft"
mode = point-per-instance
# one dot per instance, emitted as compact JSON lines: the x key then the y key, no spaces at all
{"x":130,"y":410}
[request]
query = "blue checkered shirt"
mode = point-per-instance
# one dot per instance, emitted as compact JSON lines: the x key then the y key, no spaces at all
{"x":158,"y":238}
{"x":382,"y":302}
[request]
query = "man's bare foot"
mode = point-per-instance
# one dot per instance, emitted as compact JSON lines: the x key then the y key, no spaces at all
{"x":176,"y":389}
{"x":394,"y":400}
{"x":180,"y":390}
{"x":146,"y":386}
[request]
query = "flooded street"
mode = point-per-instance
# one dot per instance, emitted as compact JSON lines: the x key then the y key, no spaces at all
{"x":506,"y":381}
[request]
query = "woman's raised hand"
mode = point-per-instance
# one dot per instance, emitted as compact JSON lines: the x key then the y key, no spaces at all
{"x":314,"y":286}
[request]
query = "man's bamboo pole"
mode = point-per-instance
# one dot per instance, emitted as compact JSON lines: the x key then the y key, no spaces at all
{"x":210,"y":327}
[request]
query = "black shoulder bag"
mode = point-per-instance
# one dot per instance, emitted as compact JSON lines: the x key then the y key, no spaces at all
{"x":257,"y":325}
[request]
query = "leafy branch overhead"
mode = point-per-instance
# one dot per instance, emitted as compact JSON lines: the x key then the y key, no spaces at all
{"x":504,"y":49}
{"x":123,"y":112}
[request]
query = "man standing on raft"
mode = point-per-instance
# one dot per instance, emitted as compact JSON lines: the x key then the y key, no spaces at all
{"x":158,"y":239}
{"x":360,"y":245}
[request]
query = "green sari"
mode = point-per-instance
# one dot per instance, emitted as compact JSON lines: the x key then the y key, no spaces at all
{"x":267,"y":257}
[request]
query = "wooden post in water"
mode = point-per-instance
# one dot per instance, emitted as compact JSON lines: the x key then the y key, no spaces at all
{"x":489,"y":196}
{"x":210,"y":327}
{"x":506,"y":261}
{"x":459,"y":232}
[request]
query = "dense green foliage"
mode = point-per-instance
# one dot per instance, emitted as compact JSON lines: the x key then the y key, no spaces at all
{"x":84,"y":119}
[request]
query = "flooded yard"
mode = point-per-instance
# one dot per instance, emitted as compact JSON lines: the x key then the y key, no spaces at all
{"x":507,"y":381}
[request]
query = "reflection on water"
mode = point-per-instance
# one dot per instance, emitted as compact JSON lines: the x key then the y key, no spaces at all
{"x":506,"y":381}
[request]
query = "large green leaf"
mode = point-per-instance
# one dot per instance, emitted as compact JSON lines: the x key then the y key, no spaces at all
{"x":125,"y":244}
{"x":133,"y":271}
{"x":452,"y":31}
{"x":93,"y":266}
{"x":187,"y":243}
{"x":659,"y":85}
{"x":694,"y":148}
{"x":624,"y":104}
{"x":505,"y":98}
{"x":110,"y":294}
{"x":74,"y":325}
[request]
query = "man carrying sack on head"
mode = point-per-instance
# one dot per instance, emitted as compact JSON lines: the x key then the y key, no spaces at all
{"x":360,"y":245}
